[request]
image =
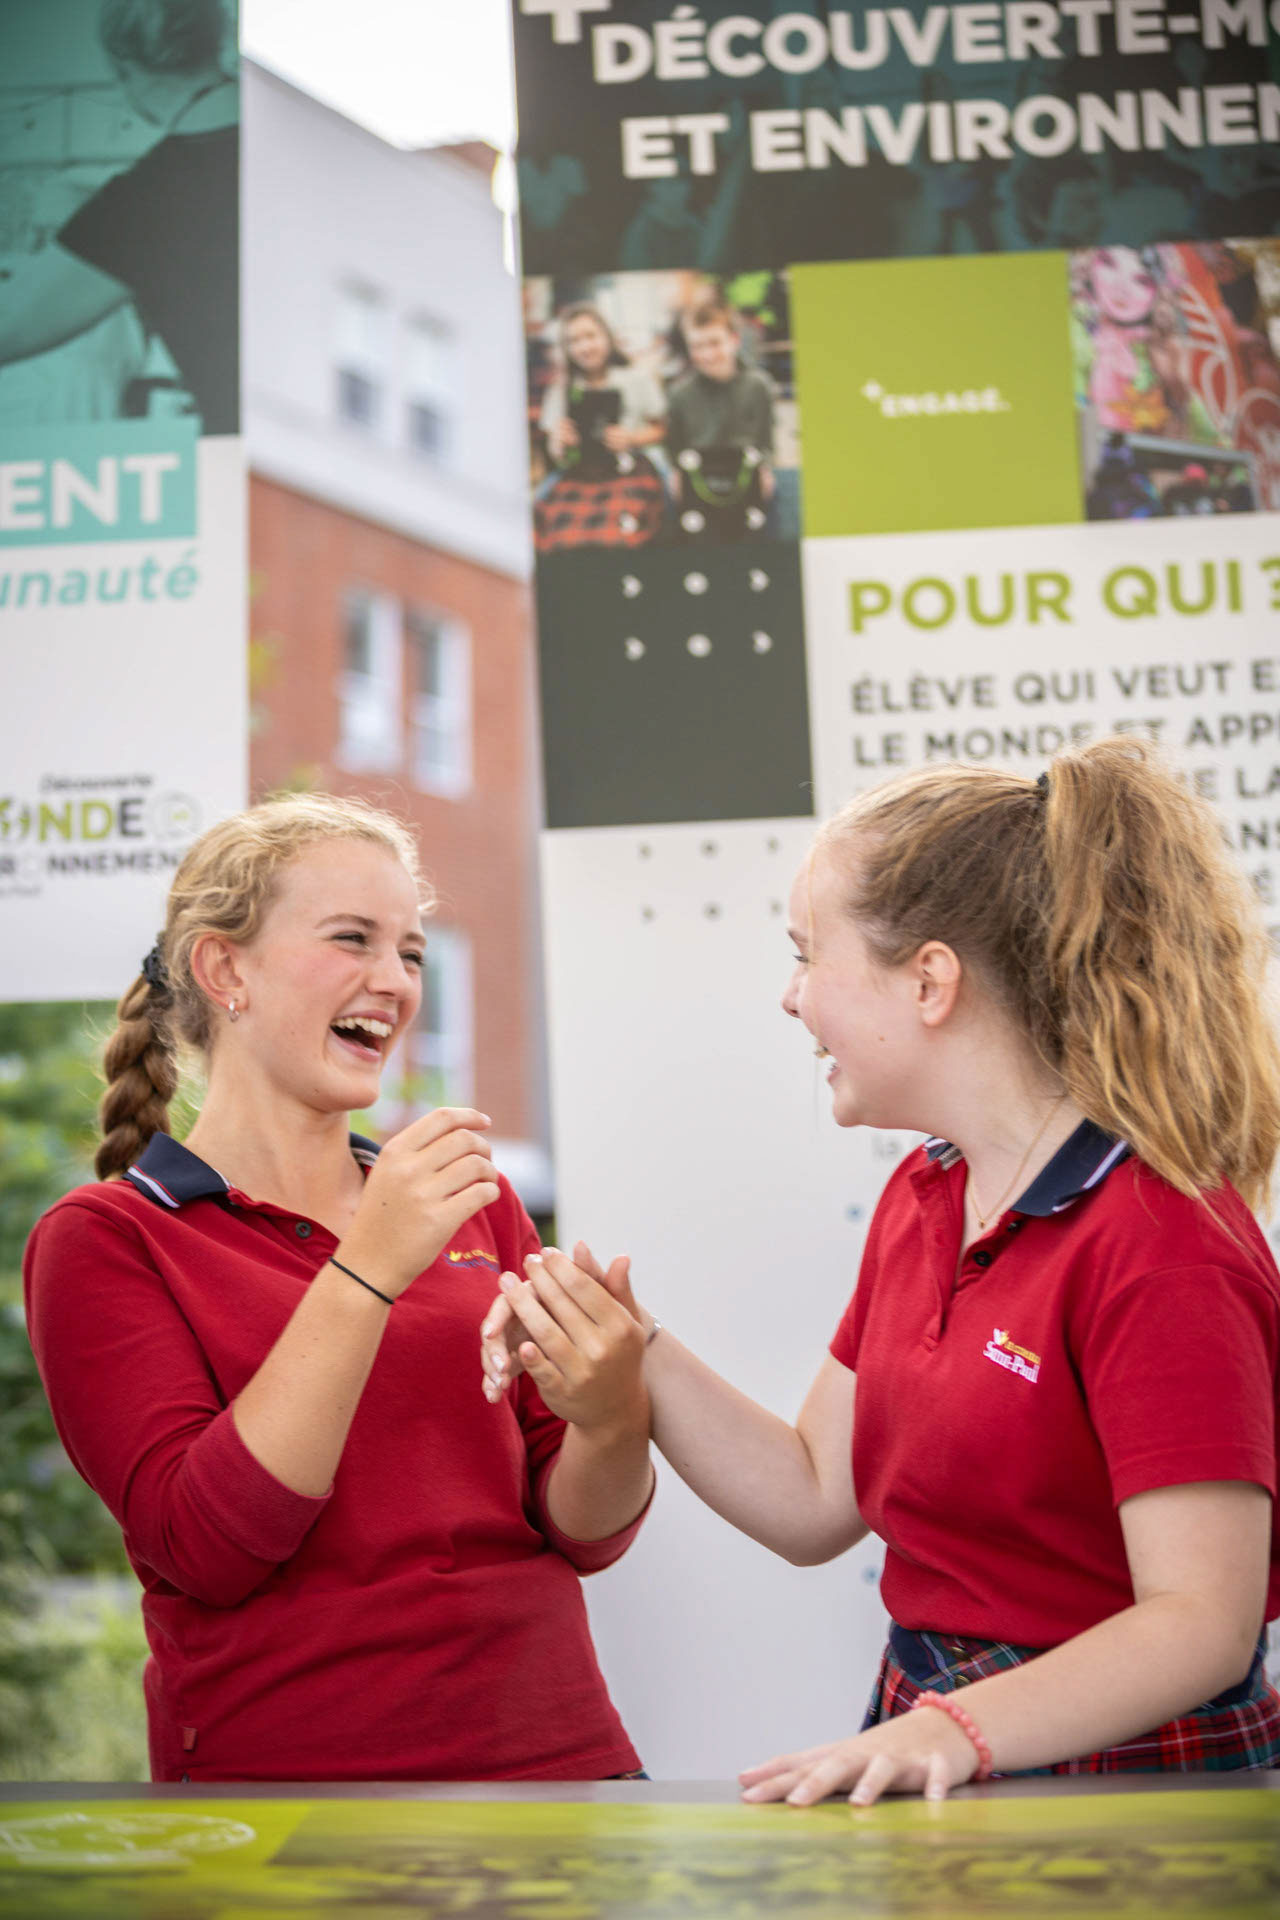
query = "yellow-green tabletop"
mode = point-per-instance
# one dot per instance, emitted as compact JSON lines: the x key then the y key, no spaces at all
{"x":639,"y":1853}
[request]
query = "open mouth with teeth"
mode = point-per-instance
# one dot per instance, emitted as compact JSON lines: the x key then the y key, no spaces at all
{"x":363,"y":1035}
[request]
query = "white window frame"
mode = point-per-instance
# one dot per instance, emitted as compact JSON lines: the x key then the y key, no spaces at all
{"x":361,"y":352}
{"x":370,"y":723}
{"x":440,"y":722}
{"x":440,"y":1065}
{"x":431,"y":380}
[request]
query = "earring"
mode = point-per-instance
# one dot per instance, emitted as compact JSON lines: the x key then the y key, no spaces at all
{"x":232,"y":1010}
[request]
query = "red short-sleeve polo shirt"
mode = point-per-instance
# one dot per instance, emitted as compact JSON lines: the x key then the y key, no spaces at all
{"x":1105,"y":1336}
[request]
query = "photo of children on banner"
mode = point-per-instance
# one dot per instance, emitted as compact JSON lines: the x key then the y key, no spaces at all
{"x":1177,"y":352}
{"x":720,"y":429}
{"x":597,"y":419}
{"x":658,"y":406}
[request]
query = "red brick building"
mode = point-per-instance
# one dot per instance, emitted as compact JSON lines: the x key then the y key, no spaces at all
{"x":392,"y":650}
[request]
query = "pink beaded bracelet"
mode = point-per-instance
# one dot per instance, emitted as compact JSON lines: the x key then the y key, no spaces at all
{"x":949,"y":1704}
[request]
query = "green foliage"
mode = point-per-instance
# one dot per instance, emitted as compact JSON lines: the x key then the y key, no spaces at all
{"x":30,"y":1668}
{"x":71,"y":1705}
{"x":50,"y":1523}
{"x":49,"y":1090}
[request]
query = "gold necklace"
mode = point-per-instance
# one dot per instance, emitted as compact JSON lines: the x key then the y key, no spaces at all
{"x":1011,"y":1189}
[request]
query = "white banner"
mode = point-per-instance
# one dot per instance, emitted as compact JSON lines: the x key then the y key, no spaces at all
{"x":122,"y":480}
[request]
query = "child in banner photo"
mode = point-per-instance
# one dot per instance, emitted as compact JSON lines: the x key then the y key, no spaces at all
{"x":1054,"y":1393}
{"x":259,"y":1351}
{"x":596,"y":420}
{"x":720,"y":428}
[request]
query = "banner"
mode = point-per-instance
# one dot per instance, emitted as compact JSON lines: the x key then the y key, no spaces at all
{"x":904,"y":387}
{"x":122,"y":489}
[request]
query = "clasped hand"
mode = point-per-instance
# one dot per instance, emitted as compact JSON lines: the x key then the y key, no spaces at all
{"x":564,"y":1326}
{"x":575,"y":1329}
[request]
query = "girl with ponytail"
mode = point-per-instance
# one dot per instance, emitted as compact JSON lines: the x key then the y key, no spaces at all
{"x":259,"y":1349}
{"x":1064,"y":1347}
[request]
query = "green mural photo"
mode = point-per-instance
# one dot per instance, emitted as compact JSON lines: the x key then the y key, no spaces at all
{"x":936,"y":393}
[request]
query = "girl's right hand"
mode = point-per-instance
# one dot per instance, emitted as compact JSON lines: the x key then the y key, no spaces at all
{"x":563,"y":435}
{"x":426,"y":1183}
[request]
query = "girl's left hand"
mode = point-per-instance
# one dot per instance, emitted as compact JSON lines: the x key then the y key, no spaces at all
{"x":923,"y":1752}
{"x":583,"y":1351}
{"x":502,"y":1335}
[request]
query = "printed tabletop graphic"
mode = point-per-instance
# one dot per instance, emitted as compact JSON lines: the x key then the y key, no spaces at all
{"x":1180,"y":1854}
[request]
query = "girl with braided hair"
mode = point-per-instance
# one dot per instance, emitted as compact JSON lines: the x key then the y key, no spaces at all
{"x":1054,"y":1393}
{"x":258,"y":1348}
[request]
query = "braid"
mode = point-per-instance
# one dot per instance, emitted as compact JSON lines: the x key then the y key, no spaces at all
{"x":141,"y":1079}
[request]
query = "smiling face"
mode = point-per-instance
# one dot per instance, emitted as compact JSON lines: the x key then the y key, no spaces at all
{"x":866,"y":1018}
{"x":587,"y":345}
{"x":713,"y":349}
{"x":1124,"y":288}
{"x":332,"y":978}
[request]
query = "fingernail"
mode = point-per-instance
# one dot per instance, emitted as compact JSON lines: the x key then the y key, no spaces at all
{"x":498,"y":1361}
{"x":506,"y":1281}
{"x":533,"y":1260}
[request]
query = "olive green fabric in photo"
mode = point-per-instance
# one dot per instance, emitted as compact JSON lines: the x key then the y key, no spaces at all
{"x":936,"y":393}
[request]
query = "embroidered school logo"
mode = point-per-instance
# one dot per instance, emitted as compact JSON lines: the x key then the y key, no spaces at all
{"x":1014,"y":1359}
{"x":472,"y":1257}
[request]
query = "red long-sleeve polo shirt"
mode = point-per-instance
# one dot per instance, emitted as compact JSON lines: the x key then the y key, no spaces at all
{"x":423,"y":1620}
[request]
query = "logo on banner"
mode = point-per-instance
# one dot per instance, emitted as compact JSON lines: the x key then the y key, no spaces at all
{"x":79,"y":828}
{"x":565,"y":15}
{"x":114,"y":480}
{"x":915,"y":406}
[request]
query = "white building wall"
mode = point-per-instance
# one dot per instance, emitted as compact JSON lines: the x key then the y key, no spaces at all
{"x":327,"y":205}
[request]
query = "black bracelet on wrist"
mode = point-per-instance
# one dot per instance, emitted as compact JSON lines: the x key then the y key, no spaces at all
{"x":359,"y":1282}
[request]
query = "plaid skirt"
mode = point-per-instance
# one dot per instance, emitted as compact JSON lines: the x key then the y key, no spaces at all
{"x":621,"y":510}
{"x":1240,"y":1728}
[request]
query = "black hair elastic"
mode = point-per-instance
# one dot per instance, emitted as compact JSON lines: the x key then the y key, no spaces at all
{"x":1042,"y":786}
{"x":361,"y":1283}
{"x":153,"y":970}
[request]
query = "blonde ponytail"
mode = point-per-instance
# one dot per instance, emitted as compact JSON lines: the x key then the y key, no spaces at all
{"x":1157,"y":956}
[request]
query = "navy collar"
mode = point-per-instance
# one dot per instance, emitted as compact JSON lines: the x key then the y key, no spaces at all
{"x":1080,"y":1164}
{"x":172,"y":1176}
